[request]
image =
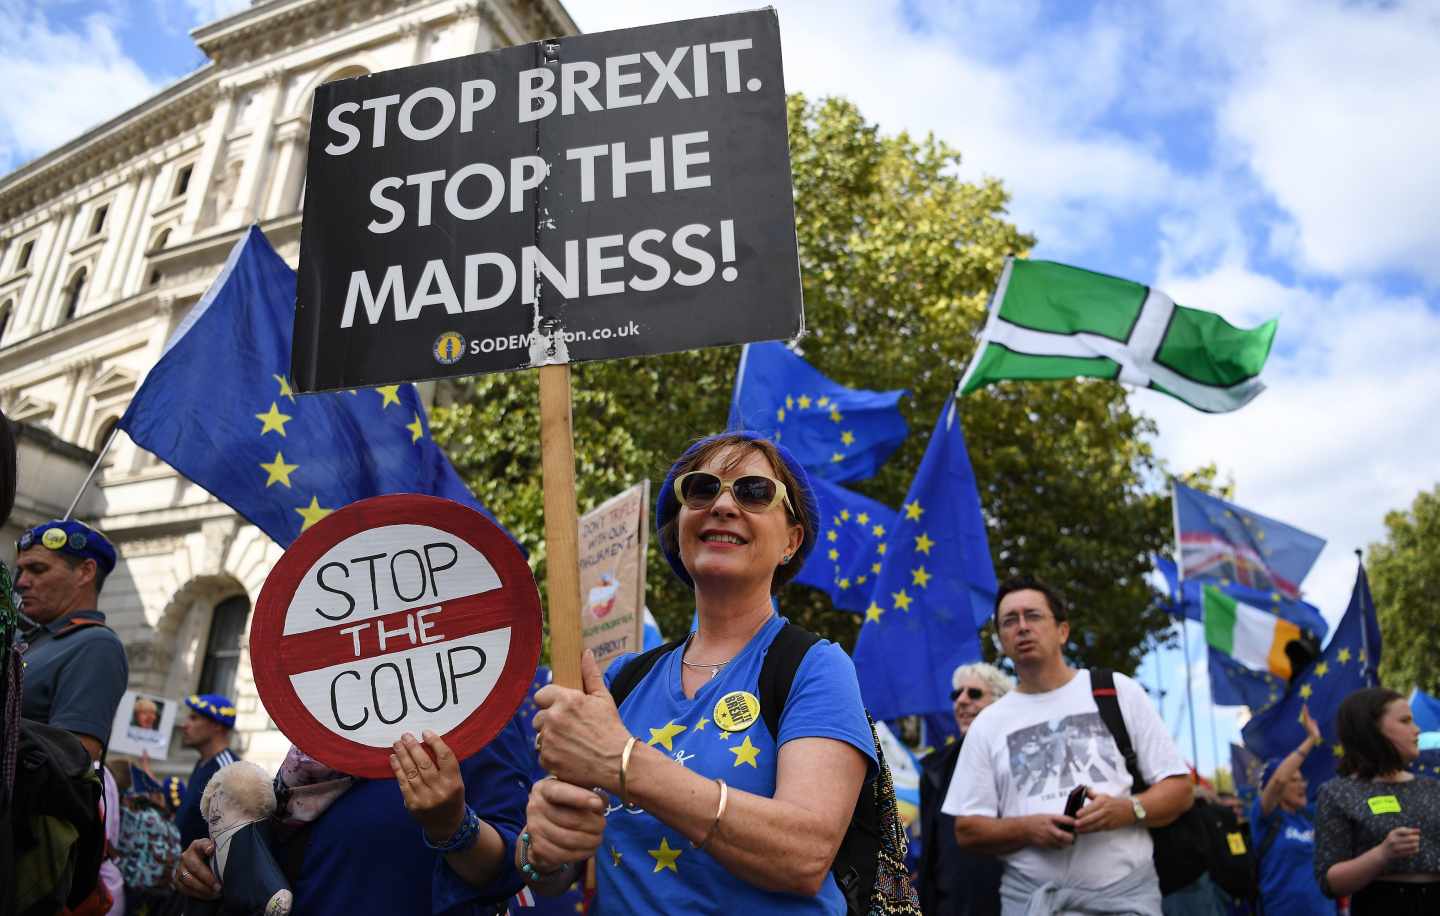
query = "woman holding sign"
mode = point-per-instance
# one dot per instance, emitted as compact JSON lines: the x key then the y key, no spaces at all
{"x":1377,"y":836}
{"x":704,"y":800}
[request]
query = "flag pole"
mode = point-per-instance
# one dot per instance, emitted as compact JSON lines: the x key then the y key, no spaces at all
{"x":562,"y":531}
{"x":85,"y":484}
{"x":1184,"y":626}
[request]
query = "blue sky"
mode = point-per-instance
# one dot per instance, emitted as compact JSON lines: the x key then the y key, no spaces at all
{"x":1258,"y":160}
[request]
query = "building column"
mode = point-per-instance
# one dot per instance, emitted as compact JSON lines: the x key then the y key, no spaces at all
{"x":205,"y":166}
{"x":132,"y":263}
{"x":41,"y":299}
{"x":244,"y":207}
{"x":289,"y":171}
{"x":109,"y":268}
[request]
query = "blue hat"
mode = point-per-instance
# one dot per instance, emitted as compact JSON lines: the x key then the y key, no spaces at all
{"x":72,"y":538}
{"x":667,"y":507}
{"x":213,"y":707}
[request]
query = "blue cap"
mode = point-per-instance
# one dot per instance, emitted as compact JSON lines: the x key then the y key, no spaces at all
{"x":667,"y":507}
{"x":213,"y":707}
{"x":73,"y":538}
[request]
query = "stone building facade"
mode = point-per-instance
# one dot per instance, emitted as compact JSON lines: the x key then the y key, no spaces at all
{"x":107,"y":242}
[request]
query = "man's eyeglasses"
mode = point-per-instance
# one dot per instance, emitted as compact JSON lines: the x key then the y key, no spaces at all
{"x":974,"y":693}
{"x":754,"y":493}
{"x":1033,"y":618}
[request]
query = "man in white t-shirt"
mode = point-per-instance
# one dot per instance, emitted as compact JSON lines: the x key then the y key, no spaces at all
{"x":1027,"y":752}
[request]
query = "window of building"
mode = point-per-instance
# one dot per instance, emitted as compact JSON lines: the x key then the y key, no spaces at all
{"x":5,"y":312}
{"x":72,"y":295}
{"x":161,"y":240}
{"x":182,"y":180}
{"x":25,"y":251}
{"x":97,"y":225}
{"x":222,"y":648}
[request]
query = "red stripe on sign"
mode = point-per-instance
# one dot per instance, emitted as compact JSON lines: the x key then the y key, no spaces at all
{"x":457,"y":618}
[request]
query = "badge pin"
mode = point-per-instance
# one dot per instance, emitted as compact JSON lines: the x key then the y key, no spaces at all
{"x":53,"y":538}
{"x":448,"y":348}
{"x":737,"y":711}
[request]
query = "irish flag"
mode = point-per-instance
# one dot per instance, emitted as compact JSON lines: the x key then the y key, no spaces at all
{"x":1253,"y":637}
{"x":1051,"y":321}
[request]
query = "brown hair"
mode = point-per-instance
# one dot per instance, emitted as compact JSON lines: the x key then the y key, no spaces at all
{"x":739,"y":447}
{"x":1368,"y":753}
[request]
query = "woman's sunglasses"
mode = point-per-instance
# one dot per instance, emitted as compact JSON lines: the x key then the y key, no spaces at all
{"x":974,"y":693}
{"x":755,"y":493}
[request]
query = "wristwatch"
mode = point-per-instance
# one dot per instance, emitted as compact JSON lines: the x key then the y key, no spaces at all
{"x":1139,"y":810}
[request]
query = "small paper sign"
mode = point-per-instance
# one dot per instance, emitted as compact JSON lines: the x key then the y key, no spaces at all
{"x":143,"y":723}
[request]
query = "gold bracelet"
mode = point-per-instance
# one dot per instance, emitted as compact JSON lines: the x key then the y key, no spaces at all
{"x":624,"y":768}
{"x":719,"y":813}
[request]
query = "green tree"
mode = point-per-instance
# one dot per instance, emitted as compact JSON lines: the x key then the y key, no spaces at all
{"x":898,"y":258}
{"x":1404,"y":574}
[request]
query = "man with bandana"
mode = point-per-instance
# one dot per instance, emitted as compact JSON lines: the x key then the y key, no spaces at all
{"x":75,"y":668}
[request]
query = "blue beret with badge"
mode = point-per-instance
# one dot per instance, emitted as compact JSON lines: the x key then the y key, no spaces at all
{"x":213,"y":707}
{"x":73,"y":539}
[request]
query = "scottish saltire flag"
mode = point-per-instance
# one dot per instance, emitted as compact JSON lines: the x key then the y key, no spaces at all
{"x":937,"y":585}
{"x":845,"y":564}
{"x":1050,"y":321}
{"x":1349,"y":663}
{"x":219,"y":408}
{"x":837,"y":433}
{"x":1224,"y":544}
{"x":1184,"y":598}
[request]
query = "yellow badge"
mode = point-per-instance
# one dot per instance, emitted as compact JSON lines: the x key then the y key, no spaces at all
{"x":737,"y":711}
{"x":54,"y":538}
{"x":1237,"y":843}
{"x":1384,"y":804}
{"x":448,"y":348}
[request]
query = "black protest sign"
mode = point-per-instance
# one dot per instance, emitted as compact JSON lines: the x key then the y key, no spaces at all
{"x":594,"y":197}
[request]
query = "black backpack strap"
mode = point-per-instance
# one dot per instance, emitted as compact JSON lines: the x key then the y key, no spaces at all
{"x":777,"y":672}
{"x":1102,"y":688}
{"x":633,"y":671}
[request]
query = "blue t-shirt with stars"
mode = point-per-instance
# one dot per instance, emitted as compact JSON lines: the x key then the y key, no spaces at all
{"x":644,"y":866}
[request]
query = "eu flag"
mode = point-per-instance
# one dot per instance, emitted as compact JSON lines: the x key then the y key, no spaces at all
{"x":1184,"y":600}
{"x":837,"y":433}
{"x":1221,"y":542}
{"x":219,"y":408}
{"x":937,"y":585}
{"x":1246,"y":769}
{"x":1426,"y":709}
{"x":1233,"y":684}
{"x":846,"y":562}
{"x":1350,"y":662}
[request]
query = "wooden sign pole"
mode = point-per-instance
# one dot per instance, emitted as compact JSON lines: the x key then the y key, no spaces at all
{"x":562,"y":527}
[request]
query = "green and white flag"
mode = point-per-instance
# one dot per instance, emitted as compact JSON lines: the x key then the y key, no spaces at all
{"x":1052,"y":321}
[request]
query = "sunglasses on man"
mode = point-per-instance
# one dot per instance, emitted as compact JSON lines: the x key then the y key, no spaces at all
{"x":755,"y":493}
{"x":974,"y":693}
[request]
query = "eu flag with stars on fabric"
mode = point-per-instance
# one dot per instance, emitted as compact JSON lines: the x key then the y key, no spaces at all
{"x":845,"y":564}
{"x":219,"y":408}
{"x":1349,"y":663}
{"x":837,"y":433}
{"x":1223,"y":543}
{"x":1185,"y":599}
{"x":937,"y":585}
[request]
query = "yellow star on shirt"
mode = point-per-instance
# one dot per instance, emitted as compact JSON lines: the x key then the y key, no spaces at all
{"x":615,"y":856}
{"x":723,"y":735}
{"x":665,"y":856}
{"x":285,"y":390}
{"x":313,"y":513}
{"x":700,"y":726}
{"x":902,"y":600}
{"x":847,"y":438}
{"x":804,"y":402}
{"x":746,"y":753}
{"x":1322,"y":669}
{"x":389,"y":394}
{"x":1344,"y":656}
{"x":417,"y":429}
{"x":923,"y":544}
{"x":873,"y":612}
{"x":913,"y":511}
{"x":279,"y":471}
{"x":920,"y":577}
{"x":665,"y":735}
{"x":273,"y":420}
{"x":1305,"y":691}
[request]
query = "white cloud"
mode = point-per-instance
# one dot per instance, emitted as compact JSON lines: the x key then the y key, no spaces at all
{"x":60,"y":83}
{"x":207,"y":11}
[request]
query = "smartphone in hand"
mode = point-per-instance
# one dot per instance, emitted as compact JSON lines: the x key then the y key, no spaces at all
{"x":1075,"y":802}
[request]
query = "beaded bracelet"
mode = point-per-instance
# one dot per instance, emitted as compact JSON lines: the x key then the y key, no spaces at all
{"x":463,"y":838}
{"x":527,"y":869}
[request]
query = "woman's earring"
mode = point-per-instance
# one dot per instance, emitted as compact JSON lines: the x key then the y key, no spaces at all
{"x":785,"y":559}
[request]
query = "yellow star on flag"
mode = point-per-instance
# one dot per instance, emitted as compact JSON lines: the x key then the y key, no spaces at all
{"x":789,"y":402}
{"x":279,"y":470}
{"x":824,"y":401}
{"x":804,"y":402}
{"x":844,"y":584}
{"x":863,"y":518}
{"x":665,"y":735}
{"x":1344,"y":656}
{"x":835,"y":415}
{"x":920,"y":577}
{"x":1305,"y":691}
{"x":878,"y":531}
{"x":389,"y":394}
{"x":847,"y":438}
{"x":417,"y":429}
{"x":285,"y":390}
{"x":875,"y":568}
{"x":834,"y":555}
{"x":746,"y":753}
{"x":913,"y":511}
{"x":845,"y":514}
{"x":836,"y":456}
{"x":873,"y":612}
{"x":700,"y":726}
{"x":923,"y":544}
{"x":615,"y":856}
{"x":273,"y":420}
{"x":902,"y":600}
{"x":860,"y":580}
{"x":831,"y":536}
{"x":665,"y":856}
{"x":313,"y":513}
{"x":1322,"y":669}
{"x":880,"y":548}
{"x":1338,"y":750}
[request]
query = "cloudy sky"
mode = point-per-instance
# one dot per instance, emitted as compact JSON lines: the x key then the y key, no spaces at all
{"x":1258,"y":160}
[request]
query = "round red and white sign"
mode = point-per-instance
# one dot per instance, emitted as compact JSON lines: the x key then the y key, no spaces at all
{"x":395,"y":614}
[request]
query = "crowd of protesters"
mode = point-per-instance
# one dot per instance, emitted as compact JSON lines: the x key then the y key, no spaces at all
{"x":1064,"y":792}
